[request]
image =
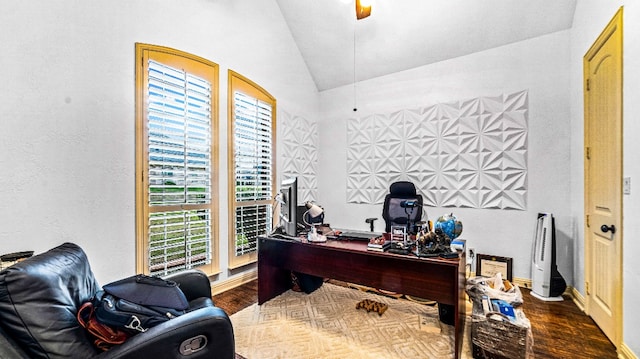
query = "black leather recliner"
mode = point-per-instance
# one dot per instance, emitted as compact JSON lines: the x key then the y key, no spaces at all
{"x":40,"y":296}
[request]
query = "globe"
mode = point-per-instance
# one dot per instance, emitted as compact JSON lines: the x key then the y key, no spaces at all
{"x":449,"y":225}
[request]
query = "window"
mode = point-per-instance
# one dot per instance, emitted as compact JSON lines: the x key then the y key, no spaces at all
{"x":251,"y":167}
{"x":176,"y":161}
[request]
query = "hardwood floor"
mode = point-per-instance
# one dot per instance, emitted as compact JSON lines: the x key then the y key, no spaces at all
{"x":560,"y":329}
{"x":238,"y":298}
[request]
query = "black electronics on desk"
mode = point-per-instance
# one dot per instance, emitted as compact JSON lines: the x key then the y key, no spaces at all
{"x":288,"y":206}
{"x":358,"y":236}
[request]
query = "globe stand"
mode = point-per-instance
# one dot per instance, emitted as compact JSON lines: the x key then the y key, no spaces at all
{"x":406,"y":210}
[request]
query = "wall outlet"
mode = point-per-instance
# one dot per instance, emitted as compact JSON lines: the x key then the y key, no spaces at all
{"x":471,"y":254}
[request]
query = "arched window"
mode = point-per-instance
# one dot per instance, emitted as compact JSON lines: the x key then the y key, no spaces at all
{"x":252,"y":118}
{"x":176,"y":161}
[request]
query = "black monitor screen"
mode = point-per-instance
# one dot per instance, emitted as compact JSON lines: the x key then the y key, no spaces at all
{"x":288,"y":215}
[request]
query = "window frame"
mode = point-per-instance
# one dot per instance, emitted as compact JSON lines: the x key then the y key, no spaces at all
{"x":238,"y":82}
{"x":205,"y":69}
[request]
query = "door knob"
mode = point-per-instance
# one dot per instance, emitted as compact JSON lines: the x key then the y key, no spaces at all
{"x":606,"y":228}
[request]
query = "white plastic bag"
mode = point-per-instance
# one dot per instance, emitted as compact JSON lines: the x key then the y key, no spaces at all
{"x":494,"y":288}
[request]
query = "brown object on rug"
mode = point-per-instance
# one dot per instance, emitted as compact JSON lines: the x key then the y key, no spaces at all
{"x":238,"y":356}
{"x":371,"y":305}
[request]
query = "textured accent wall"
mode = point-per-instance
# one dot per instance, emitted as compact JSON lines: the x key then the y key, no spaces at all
{"x":300,"y":153}
{"x":469,"y":153}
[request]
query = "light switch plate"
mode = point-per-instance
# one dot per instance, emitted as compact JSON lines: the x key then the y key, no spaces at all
{"x":626,"y":185}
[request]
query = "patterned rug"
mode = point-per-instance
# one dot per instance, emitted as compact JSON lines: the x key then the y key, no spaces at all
{"x":326,"y":324}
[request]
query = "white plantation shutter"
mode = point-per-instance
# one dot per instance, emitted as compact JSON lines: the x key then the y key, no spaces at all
{"x":178,"y":240}
{"x":179,"y":169}
{"x":253,"y":158}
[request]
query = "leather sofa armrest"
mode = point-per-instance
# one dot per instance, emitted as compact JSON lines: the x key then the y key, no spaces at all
{"x":194,"y":283}
{"x":209,"y":328}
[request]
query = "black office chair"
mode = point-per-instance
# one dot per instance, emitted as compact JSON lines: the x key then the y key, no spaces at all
{"x":402,"y":204}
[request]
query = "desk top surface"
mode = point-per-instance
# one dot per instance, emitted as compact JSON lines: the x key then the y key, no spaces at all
{"x":361,"y":246}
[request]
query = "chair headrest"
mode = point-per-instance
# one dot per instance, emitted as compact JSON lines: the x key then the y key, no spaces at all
{"x":402,"y":188}
{"x":39,"y":299}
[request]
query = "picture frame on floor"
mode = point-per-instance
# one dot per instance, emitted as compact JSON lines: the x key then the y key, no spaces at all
{"x":489,"y":265}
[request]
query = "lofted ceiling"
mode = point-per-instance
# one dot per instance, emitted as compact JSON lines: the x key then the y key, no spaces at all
{"x":403,"y":34}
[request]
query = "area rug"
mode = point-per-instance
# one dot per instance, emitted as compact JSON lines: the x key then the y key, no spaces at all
{"x":326,"y":324}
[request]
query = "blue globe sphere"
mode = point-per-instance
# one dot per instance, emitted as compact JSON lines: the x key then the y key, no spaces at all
{"x":449,"y":225}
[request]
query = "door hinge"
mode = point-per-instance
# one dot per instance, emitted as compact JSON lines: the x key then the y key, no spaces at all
{"x":586,"y":287}
{"x":588,"y":152}
{"x":588,"y":224}
{"x":588,"y":85}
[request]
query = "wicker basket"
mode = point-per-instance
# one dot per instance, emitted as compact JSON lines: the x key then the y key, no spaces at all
{"x":494,"y":336}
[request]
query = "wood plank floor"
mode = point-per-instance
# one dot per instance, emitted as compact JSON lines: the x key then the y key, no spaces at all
{"x":560,"y":329}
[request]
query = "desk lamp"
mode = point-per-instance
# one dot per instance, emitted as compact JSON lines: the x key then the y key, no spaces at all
{"x":314,"y":211}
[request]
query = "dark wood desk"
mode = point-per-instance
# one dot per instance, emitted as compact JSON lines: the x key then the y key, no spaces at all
{"x":442,"y":280}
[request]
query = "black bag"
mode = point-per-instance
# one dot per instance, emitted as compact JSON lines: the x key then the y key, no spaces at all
{"x":137,"y":303}
{"x":306,"y":282}
{"x":145,"y":290}
{"x":133,"y":318}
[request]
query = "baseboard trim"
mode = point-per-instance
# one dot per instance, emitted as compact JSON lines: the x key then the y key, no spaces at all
{"x":578,"y":299}
{"x":522,"y":282}
{"x":624,"y":352}
{"x":235,"y":281}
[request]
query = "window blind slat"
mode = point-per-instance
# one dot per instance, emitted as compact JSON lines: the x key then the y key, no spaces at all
{"x":250,"y":222}
{"x":179,"y":170}
{"x":253,"y":164}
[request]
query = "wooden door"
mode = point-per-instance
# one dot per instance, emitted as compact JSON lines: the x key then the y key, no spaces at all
{"x":603,"y":179}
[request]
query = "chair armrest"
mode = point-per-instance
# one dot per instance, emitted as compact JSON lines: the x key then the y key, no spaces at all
{"x":9,"y":349}
{"x":165,"y":340}
{"x":194,"y":283}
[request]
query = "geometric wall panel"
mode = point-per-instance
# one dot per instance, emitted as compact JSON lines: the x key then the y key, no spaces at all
{"x":299,"y":156}
{"x":470,"y":153}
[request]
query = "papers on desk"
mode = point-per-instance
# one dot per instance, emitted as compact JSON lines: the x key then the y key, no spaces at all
{"x":379,"y":247}
{"x":378,"y":244}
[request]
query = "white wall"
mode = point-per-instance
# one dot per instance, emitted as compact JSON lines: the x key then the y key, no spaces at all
{"x":67,"y":118}
{"x":590,"y":19}
{"x":539,"y":65}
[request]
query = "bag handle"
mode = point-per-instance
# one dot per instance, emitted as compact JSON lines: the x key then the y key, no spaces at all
{"x":104,"y":336}
{"x":86,"y":306}
{"x":155,"y":281}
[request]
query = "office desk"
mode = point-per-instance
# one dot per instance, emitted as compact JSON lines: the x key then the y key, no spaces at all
{"x":442,"y":280}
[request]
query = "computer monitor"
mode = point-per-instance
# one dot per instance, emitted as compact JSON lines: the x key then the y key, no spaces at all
{"x":288,"y":206}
